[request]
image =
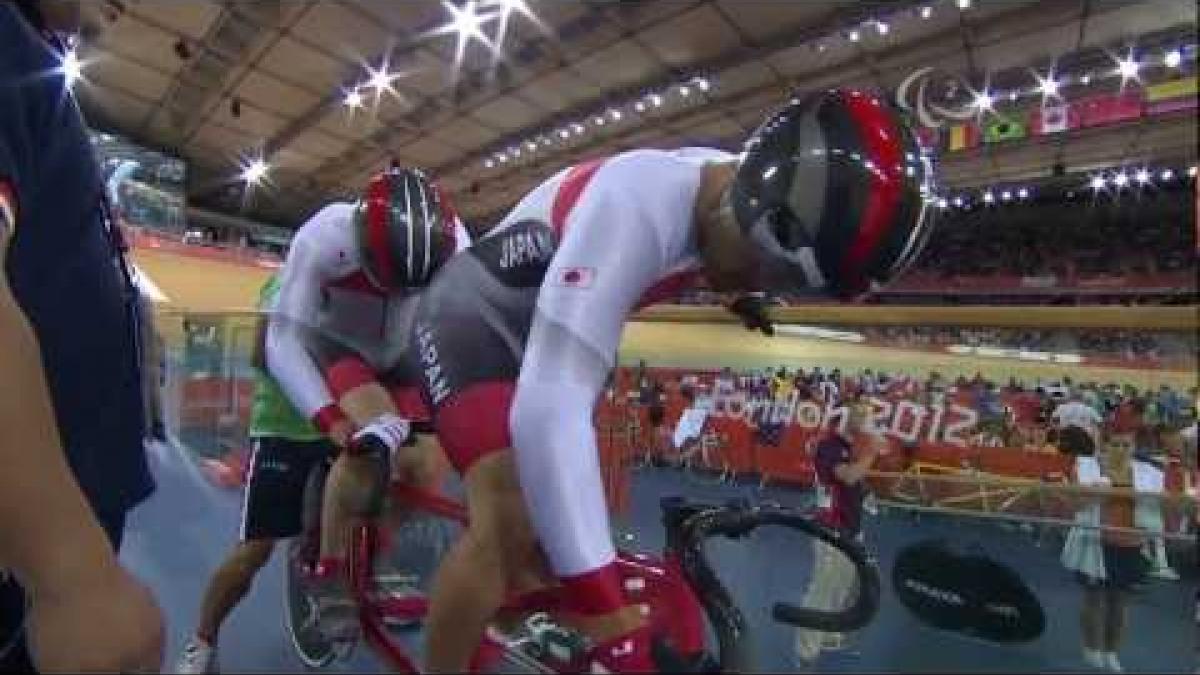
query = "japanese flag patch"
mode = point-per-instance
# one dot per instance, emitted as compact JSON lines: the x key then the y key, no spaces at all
{"x":8,"y":209}
{"x":575,"y":277}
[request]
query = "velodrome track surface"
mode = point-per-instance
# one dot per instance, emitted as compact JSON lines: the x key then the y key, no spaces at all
{"x":192,"y":284}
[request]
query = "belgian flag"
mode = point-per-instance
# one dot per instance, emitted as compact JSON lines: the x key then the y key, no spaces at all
{"x":963,"y":136}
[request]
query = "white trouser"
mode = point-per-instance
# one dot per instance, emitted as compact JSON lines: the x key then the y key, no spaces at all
{"x":832,"y":586}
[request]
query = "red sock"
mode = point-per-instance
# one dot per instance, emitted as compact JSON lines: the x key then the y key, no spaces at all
{"x":596,"y":592}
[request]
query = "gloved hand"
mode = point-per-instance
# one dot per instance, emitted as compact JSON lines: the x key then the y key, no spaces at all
{"x":752,"y":310}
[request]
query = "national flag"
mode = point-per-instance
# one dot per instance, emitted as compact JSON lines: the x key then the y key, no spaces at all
{"x":963,"y":136}
{"x":8,"y":209}
{"x":1185,"y":86}
{"x":575,"y":277}
{"x":1111,"y":109}
{"x":1172,"y":96}
{"x":1003,"y":129}
{"x":928,"y":138}
{"x":1053,"y":119}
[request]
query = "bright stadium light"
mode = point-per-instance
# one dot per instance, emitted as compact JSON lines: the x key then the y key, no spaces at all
{"x":1128,"y":68}
{"x":1166,"y":174}
{"x":564,"y":133}
{"x":926,"y":12}
{"x":656,"y":100}
{"x":1173,"y":58}
{"x":578,"y":128}
{"x":1192,"y":171}
{"x":1006,"y":196}
{"x":882,"y":28}
{"x":1142,"y":176}
{"x":1121,"y":180}
{"x":983,"y":101}
{"x":964,"y":4}
{"x":703,"y":84}
{"x":254,"y":172}
{"x":958,"y":202}
{"x":1047,"y":86}
{"x":72,"y":67}
{"x":639,"y":106}
{"x":1098,"y":182}
{"x":853,"y":36}
{"x":989,"y":198}
{"x":942,"y":203}
{"x":353,"y":99}
{"x":615,"y":114}
{"x":487,"y":164}
{"x":1023,"y":193}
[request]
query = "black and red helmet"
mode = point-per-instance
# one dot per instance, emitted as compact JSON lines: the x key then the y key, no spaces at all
{"x":833,"y":188}
{"x":405,"y":229}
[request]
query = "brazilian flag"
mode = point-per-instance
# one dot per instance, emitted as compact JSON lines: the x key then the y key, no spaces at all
{"x":1003,"y":129}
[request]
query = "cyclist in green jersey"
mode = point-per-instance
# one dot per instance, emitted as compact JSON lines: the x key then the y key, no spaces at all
{"x":286,"y":448}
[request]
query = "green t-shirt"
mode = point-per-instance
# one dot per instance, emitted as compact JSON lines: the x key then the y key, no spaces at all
{"x":271,"y":413}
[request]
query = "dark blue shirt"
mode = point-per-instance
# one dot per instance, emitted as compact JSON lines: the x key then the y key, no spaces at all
{"x":65,"y":273}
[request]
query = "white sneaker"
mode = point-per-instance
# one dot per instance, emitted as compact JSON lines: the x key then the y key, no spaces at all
{"x":1095,"y":659}
{"x":1110,"y":659}
{"x":198,"y":658}
{"x":1165,"y":573}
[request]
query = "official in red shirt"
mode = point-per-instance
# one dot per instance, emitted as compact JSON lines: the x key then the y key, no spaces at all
{"x":843,"y":459}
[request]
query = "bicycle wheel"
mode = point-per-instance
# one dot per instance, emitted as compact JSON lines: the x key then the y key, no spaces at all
{"x":300,"y":610}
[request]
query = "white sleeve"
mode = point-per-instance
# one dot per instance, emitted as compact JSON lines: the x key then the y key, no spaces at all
{"x":292,"y":319}
{"x":610,"y":255}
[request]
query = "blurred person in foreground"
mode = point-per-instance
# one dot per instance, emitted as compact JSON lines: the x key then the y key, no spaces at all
{"x":843,"y":460}
{"x":1104,"y":550}
{"x":71,"y":409}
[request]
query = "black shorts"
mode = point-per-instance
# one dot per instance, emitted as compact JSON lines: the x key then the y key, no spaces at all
{"x":274,"y":500}
{"x":1124,"y":567}
{"x":470,"y":334}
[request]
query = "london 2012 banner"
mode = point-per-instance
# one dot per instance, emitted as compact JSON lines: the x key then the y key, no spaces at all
{"x":905,"y":420}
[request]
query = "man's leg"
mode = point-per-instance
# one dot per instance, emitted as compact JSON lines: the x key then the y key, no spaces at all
{"x":229,"y":584}
{"x":497,"y":553}
{"x":559,"y":468}
{"x":272,"y":510}
{"x":354,"y":481}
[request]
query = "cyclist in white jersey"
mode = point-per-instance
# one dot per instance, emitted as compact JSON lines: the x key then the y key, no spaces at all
{"x":336,"y":345}
{"x":516,"y":336}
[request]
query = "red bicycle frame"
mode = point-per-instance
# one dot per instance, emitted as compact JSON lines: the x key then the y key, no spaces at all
{"x":657,"y":583}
